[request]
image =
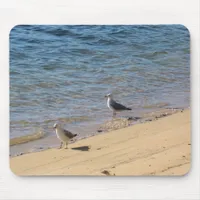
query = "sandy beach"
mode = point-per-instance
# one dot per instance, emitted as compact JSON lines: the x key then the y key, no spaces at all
{"x":159,"y":147}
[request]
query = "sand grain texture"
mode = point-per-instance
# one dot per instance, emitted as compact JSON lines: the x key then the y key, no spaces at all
{"x":160,"y":147}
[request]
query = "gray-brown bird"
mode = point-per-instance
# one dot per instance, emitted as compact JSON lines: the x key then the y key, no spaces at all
{"x":63,"y":135}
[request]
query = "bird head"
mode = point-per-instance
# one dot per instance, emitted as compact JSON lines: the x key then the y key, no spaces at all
{"x":108,"y":95}
{"x":55,"y":125}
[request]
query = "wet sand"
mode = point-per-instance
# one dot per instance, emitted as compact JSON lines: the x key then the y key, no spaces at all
{"x":160,"y":146}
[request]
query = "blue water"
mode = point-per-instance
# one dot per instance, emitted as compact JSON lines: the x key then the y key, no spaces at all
{"x":62,"y":73}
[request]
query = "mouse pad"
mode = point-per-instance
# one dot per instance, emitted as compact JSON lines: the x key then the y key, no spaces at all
{"x":100,"y":100}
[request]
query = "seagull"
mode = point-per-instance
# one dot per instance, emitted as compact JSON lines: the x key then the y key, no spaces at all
{"x":114,"y":106}
{"x":63,"y":135}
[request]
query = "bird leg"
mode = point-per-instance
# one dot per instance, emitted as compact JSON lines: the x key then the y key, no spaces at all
{"x":60,"y":145}
{"x":66,"y":145}
{"x":114,"y":114}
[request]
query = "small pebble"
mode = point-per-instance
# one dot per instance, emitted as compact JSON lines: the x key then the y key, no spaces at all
{"x":106,"y":172}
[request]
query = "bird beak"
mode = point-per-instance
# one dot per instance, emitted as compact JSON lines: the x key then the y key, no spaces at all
{"x":106,"y":96}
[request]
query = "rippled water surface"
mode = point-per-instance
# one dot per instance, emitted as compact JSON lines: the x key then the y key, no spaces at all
{"x":62,"y":73}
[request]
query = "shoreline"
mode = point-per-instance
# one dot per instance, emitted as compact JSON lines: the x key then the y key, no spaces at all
{"x":157,"y":147}
{"x":35,"y":142}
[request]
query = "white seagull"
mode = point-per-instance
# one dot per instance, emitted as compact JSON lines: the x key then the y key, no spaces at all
{"x":63,"y":135}
{"x":114,"y":106}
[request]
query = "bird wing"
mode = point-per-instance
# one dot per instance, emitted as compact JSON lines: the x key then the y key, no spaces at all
{"x":117,"y":106}
{"x":69,"y":134}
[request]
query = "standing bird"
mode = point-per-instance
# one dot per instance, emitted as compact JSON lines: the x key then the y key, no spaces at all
{"x":114,"y":106}
{"x":63,"y":135}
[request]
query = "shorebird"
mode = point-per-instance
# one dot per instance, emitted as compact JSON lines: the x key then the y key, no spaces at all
{"x":63,"y":135}
{"x":114,"y":106}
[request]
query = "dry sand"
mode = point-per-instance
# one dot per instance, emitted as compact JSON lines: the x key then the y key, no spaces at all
{"x":160,"y":147}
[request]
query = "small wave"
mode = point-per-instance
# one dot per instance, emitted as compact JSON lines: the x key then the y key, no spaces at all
{"x":14,"y":73}
{"x":49,"y":67}
{"x":74,"y":119}
{"x":21,"y":122}
{"x":87,"y":37}
{"x":81,"y":51}
{"x":157,"y":105}
{"x":46,"y":85}
{"x":26,"y":138}
{"x":106,"y":41}
{"x":154,"y":54}
{"x":159,"y":53}
{"x":61,"y":32}
{"x":119,"y":32}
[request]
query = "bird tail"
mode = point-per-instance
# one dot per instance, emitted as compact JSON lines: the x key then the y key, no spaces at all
{"x":128,"y":109}
{"x":75,"y":135}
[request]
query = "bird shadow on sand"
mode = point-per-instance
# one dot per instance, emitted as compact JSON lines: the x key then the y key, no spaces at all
{"x":82,"y":148}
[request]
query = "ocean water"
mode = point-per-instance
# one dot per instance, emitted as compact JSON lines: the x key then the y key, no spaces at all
{"x":62,"y":73}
